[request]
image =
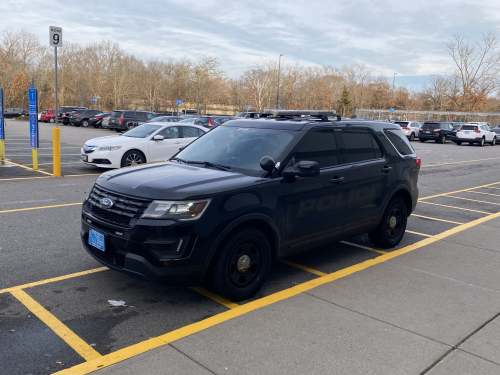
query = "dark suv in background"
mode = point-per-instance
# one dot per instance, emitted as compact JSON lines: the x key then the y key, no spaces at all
{"x":81,"y":118}
{"x":438,"y":132}
{"x":122,"y":120}
{"x":65,"y":111}
{"x":251,"y":191}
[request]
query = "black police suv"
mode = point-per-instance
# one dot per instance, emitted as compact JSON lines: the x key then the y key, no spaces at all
{"x":436,"y":131}
{"x":250,"y":191}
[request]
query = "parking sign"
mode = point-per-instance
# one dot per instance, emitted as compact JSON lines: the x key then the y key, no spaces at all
{"x":33,"y":107}
{"x":55,"y":36}
{"x":94,"y":100}
{"x":392,"y":109}
{"x":247,"y":107}
{"x":179,"y":101}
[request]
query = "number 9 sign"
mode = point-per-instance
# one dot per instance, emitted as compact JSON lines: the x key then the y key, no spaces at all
{"x":56,"y":37}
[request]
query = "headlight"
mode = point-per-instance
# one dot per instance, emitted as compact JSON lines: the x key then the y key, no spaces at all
{"x":183,"y":211}
{"x":109,"y":148}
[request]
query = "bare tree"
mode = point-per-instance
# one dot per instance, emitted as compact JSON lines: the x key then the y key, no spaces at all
{"x":207,"y":66}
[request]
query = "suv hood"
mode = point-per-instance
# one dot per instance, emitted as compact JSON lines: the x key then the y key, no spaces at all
{"x":112,"y":140}
{"x":173,"y":181}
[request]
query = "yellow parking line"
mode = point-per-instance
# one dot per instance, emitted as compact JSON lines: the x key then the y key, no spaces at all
{"x":300,"y":266}
{"x":68,"y":175}
{"x":28,"y":168}
{"x":131,"y":351}
{"x":478,"y":192}
{"x":420,"y":234}
{"x":457,"y":191}
{"x":53,"y":280}
{"x":458,"y":208}
{"x":364,"y":247}
{"x":72,"y":339}
{"x":434,"y":218}
{"x":457,"y":162}
{"x":491,"y":187}
{"x":39,"y":208}
{"x":223,"y":301}
{"x":16,"y":155}
{"x":473,"y":200}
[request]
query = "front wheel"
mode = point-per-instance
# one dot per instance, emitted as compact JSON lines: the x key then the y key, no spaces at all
{"x":130,"y":125}
{"x":392,"y":226}
{"x":85,"y":123}
{"x":459,"y":143}
{"x":412,"y":137}
{"x":241,"y":267}
{"x":443,"y":139}
{"x":52,"y":120}
{"x":494,"y":141}
{"x":132,"y":157}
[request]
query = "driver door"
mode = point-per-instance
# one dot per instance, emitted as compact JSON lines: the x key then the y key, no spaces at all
{"x":166,"y":148}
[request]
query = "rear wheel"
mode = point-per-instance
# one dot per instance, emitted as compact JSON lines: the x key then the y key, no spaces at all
{"x":51,"y":120}
{"x":481,"y":142}
{"x":392,"y":226}
{"x":85,"y":123}
{"x":132,"y":157}
{"x":130,"y":125}
{"x":494,"y":141}
{"x":459,"y":143}
{"x":412,"y":137}
{"x":442,"y":139}
{"x":241,"y":266}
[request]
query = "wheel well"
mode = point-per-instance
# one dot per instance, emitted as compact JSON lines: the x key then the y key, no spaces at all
{"x":260,"y":225}
{"x":135,"y":149}
{"x":406,"y":197}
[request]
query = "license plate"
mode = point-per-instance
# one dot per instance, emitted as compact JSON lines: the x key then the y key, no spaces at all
{"x":466,"y":132}
{"x":96,"y":239}
{"x":85,"y":158}
{"x":427,"y":132}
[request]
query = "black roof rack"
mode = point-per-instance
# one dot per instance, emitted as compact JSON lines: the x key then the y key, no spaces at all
{"x":300,"y":114}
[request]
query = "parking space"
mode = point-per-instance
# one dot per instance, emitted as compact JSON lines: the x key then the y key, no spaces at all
{"x":54,"y":299}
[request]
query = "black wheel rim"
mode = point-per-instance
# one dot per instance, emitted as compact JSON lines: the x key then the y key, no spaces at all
{"x":394,"y":223}
{"x":245,"y":264}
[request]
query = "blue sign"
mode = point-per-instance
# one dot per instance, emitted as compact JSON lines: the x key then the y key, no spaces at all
{"x":32,"y":96}
{"x":247,"y":107}
{"x":379,"y":112}
{"x":278,"y":105}
{"x":94,"y":100}
{"x":392,"y":109}
{"x":2,"y":135}
{"x":179,"y":101}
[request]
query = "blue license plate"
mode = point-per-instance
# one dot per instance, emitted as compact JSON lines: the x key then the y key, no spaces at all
{"x":96,"y":239}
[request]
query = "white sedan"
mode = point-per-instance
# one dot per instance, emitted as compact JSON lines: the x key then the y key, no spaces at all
{"x":149,"y":142}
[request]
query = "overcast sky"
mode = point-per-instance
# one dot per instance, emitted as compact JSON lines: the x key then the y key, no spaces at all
{"x":403,"y":36}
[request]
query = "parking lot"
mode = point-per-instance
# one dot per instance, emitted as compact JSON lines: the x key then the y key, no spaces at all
{"x":427,"y":306}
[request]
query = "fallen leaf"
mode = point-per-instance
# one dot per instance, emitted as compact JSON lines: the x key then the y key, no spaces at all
{"x":13,"y":330}
{"x":59,"y":363}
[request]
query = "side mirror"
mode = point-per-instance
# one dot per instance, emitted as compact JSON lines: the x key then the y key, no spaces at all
{"x":267,"y":163}
{"x":158,"y":138}
{"x":303,"y":168}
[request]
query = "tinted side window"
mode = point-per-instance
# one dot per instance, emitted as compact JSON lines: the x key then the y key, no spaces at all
{"x":318,"y":146}
{"x":129,"y":114}
{"x":200,"y":132}
{"x":399,"y":141}
{"x":170,"y":132}
{"x":142,"y":116}
{"x":360,"y":145}
{"x":189,"y":132}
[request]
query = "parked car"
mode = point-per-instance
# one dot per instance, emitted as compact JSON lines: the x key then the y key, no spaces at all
{"x":212,"y":121}
{"x":188,"y":120}
{"x":496,"y":131}
{"x":275,"y":187}
{"x":48,"y":115}
{"x":474,"y":132}
{"x":65,"y":111}
{"x":105,"y":122}
{"x":81,"y":118}
{"x":409,"y":128}
{"x":248,"y":115}
{"x":165,"y":119}
{"x":437,"y":132}
{"x":14,"y":112}
{"x":122,"y":120}
{"x":149,"y":142}
{"x":74,"y":115}
{"x":96,"y":119}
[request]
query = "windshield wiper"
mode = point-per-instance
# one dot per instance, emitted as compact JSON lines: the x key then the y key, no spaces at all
{"x":210,"y":164}
{"x":178,"y":159}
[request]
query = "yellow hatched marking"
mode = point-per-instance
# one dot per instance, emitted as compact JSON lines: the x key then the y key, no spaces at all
{"x":304,"y":268}
{"x":434,"y":218}
{"x":473,"y":200}
{"x":39,"y":208}
{"x":420,"y":234}
{"x":457,"y":162}
{"x":458,"y":191}
{"x":28,"y":168}
{"x":72,"y":339}
{"x":458,"y":208}
{"x":363,"y":247}
{"x":223,"y":301}
{"x":479,"y":192}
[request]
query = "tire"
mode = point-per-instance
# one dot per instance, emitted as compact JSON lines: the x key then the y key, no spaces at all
{"x":481,"y":142}
{"x":412,"y":137}
{"x":130,"y":125}
{"x":117,"y":130}
{"x":422,"y":140}
{"x":459,"y":143}
{"x":85,"y":123}
{"x":392,"y":226}
{"x":443,"y":139}
{"x":132,"y":157}
{"x":51,"y":120}
{"x":471,"y":143}
{"x":494,"y":141}
{"x":240,"y":268}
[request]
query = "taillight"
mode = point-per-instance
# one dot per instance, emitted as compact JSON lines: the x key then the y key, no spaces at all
{"x":421,"y":129}
{"x":210,"y":123}
{"x":437,"y":130}
{"x":419,"y":162}
{"x":458,"y":130}
{"x":77,"y":115}
{"x":121,"y":120}
{"x":405,"y":128}
{"x":477,"y":131}
{"x":64,"y":114}
{"x":97,"y":118}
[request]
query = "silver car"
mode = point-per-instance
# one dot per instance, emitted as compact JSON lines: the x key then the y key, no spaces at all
{"x":409,"y":128}
{"x":105,"y":122}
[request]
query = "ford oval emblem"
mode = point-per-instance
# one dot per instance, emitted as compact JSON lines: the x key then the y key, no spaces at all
{"x":106,"y":202}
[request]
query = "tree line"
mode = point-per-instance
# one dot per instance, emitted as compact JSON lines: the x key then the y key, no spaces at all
{"x":123,"y":81}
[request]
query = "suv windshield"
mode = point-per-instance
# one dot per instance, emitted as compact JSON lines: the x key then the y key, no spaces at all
{"x":142,"y":131}
{"x":239,"y":148}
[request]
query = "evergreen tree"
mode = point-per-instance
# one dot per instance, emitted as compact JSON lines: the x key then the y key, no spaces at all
{"x":345,"y":101}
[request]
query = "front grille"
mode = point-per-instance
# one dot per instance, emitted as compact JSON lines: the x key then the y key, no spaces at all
{"x":125,"y":211}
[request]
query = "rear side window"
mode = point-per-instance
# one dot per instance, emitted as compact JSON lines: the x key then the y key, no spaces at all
{"x":129,"y":114}
{"x":360,"y":145}
{"x":142,"y":115}
{"x":318,"y":146}
{"x":202,"y":120}
{"x":399,"y":141}
{"x":189,"y":132}
{"x":116,"y":114}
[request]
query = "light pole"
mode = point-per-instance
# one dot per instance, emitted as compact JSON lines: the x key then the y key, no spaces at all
{"x":278,"y":88}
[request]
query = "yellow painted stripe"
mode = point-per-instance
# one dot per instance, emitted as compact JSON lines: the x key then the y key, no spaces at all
{"x":81,"y":347}
{"x":300,"y":266}
{"x":473,"y":200}
{"x":458,"y":191}
{"x":420,"y":234}
{"x":68,"y":175}
{"x":28,"y":168}
{"x":479,"y":192}
{"x":45,"y":148}
{"x":131,"y":351}
{"x":223,"y":301}
{"x":434,"y":218}
{"x":457,"y":162}
{"x":458,"y":208}
{"x":364,"y":247}
{"x":39,"y":208}
{"x":52,"y":280}
{"x":49,"y":154}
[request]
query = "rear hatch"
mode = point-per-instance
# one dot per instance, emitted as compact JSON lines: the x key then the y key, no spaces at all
{"x":430,"y":127}
{"x":468,"y":131}
{"x":403,"y":124}
{"x":114,"y":119}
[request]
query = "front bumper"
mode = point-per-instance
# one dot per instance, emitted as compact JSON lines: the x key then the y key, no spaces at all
{"x":103,"y":159}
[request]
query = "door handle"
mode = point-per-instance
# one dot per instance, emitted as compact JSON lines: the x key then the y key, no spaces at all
{"x":386,"y":169}
{"x":177,"y":143}
{"x":337,"y":180}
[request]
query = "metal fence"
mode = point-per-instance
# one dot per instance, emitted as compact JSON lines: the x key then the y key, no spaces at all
{"x":421,"y":116}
